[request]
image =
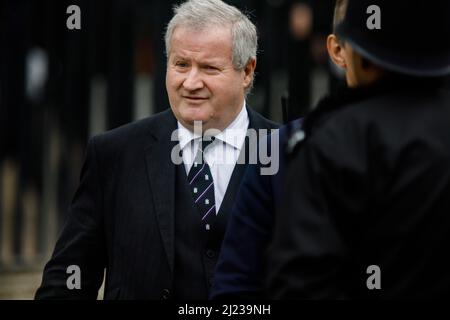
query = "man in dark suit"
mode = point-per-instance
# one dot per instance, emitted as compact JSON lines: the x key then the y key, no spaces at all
{"x":155,"y":195}
{"x":366,"y":208}
{"x":240,"y":268}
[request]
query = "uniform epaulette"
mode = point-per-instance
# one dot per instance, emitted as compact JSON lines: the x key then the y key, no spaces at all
{"x":294,"y":141}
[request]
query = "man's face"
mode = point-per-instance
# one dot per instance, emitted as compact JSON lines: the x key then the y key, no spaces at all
{"x":201,"y":81}
{"x":351,"y":71}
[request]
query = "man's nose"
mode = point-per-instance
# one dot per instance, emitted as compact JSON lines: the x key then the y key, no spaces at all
{"x":193,"y":80}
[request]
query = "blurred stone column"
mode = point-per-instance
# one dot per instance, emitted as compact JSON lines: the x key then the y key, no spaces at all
{"x":30,"y":209}
{"x":52,"y":159}
{"x":9,"y":177}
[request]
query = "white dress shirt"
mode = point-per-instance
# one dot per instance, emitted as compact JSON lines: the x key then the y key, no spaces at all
{"x":221,"y":155}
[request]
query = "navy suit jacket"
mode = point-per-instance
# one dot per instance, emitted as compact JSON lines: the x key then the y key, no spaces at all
{"x":122,"y":217}
{"x":239,"y":271}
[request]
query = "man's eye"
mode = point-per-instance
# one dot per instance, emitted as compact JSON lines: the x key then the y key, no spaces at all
{"x":181,"y":64}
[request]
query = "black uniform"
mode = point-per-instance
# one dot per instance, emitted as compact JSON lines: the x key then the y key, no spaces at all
{"x":370,"y":185}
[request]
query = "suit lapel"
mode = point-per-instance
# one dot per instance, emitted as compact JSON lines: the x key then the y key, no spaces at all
{"x":161,"y":176}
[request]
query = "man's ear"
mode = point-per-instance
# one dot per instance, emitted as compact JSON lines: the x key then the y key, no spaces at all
{"x":336,"y":51}
{"x":249,"y":71}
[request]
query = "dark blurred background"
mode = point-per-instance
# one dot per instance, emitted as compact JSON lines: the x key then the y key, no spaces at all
{"x":58,"y":87}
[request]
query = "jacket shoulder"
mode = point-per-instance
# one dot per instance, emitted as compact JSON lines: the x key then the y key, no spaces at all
{"x":137,"y":132}
{"x":258,"y":121}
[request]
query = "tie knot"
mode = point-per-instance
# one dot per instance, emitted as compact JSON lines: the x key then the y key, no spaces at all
{"x":206,"y":141}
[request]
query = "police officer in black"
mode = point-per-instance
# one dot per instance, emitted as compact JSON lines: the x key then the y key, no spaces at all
{"x":366,"y":213}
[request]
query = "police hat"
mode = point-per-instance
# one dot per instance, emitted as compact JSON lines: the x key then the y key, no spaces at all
{"x":406,"y":36}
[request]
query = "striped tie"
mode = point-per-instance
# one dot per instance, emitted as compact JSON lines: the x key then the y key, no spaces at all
{"x":202,"y":186}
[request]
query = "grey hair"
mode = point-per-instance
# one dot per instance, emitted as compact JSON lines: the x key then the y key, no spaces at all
{"x":200,"y":14}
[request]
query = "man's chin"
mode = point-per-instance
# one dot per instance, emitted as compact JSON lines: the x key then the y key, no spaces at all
{"x":190,"y":116}
{"x":189,"y":122}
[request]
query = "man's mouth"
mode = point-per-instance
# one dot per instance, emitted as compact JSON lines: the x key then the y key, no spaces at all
{"x":194,"y":98}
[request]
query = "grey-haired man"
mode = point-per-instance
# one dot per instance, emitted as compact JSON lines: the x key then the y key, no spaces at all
{"x":156,"y":225}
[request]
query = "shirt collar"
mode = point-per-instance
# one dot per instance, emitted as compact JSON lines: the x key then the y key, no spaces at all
{"x":185,"y":135}
{"x":233,"y":135}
